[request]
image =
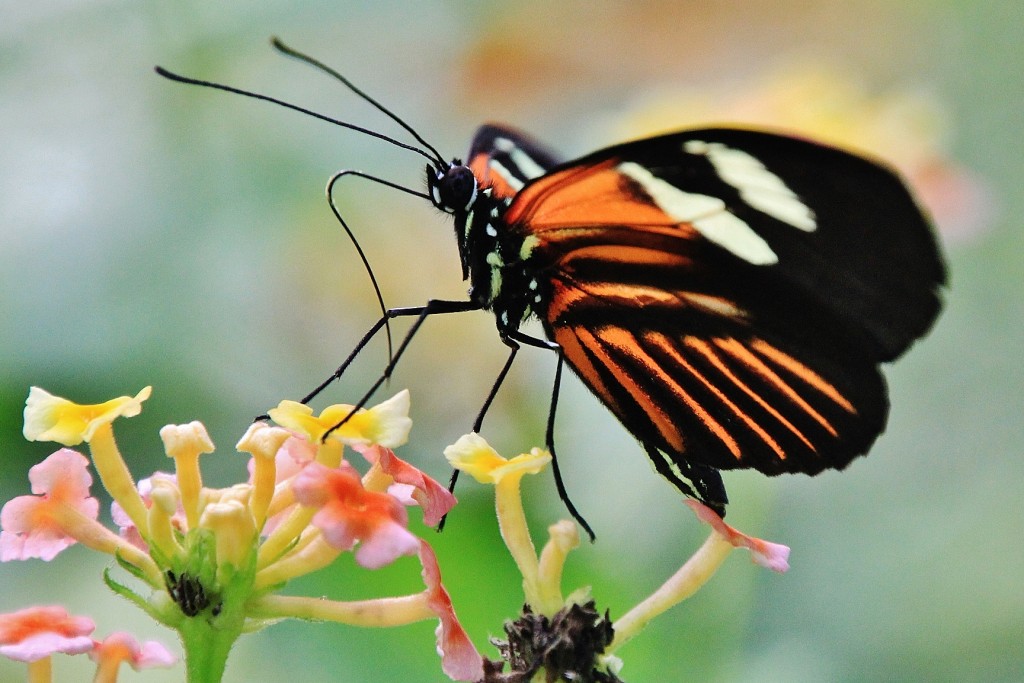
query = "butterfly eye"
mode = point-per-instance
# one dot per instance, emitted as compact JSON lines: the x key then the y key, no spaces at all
{"x":455,"y":190}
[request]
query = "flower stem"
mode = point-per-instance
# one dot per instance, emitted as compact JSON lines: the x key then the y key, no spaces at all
{"x":398,"y":611}
{"x":116,"y":478}
{"x":684,"y":583}
{"x":207,"y":642}
{"x":95,"y":536}
{"x":516,"y":534}
{"x":106,"y":671}
{"x":41,"y":670}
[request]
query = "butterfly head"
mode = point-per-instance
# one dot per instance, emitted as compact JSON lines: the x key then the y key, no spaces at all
{"x":453,"y":187}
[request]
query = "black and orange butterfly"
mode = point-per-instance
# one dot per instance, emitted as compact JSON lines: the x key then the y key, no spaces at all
{"x":728,"y":294}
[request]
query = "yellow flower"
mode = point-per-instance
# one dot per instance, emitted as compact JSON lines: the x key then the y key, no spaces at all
{"x":474,"y":456}
{"x":386,"y":424}
{"x":263,"y":442}
{"x":52,"y":418}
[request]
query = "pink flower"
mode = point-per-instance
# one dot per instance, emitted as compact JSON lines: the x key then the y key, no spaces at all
{"x":435,"y":499}
{"x":121,"y":647}
{"x":459,"y":658}
{"x":348,"y":513}
{"x":774,"y":556}
{"x":32,"y":525}
{"x":37,"y":632}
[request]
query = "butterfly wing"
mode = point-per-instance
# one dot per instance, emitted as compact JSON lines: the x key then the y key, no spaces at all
{"x":730,"y":294}
{"x":505,"y":159}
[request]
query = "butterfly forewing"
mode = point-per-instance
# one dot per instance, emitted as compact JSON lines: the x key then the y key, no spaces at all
{"x":729,"y":294}
{"x":505,"y":160}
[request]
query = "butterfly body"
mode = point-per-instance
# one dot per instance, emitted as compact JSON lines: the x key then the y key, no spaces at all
{"x":727,"y":294}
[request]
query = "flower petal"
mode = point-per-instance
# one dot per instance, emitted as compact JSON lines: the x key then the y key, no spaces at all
{"x":30,"y":529}
{"x":459,"y":657}
{"x":474,"y":456}
{"x":774,"y":556}
{"x":52,"y":418}
{"x":122,"y":647}
{"x":386,"y":424}
{"x":348,"y":513}
{"x":37,"y":632}
{"x":435,"y":499}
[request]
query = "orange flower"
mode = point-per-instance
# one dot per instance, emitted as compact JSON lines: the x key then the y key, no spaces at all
{"x":348,"y":514}
{"x":120,"y":647}
{"x":33,"y":633}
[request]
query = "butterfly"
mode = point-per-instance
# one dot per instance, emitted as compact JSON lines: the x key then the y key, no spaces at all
{"x":728,"y":294}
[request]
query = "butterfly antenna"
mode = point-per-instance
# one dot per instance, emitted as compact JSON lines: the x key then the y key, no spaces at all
{"x":433,"y":159}
{"x":276,"y":42}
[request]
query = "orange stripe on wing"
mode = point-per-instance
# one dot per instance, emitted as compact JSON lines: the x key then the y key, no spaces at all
{"x":736,"y":349}
{"x":622,"y":339}
{"x":627,"y":255}
{"x":702,"y":347}
{"x":803,"y":372}
{"x":562,"y":299}
{"x":627,"y":342}
{"x":578,"y":358}
{"x":480,"y":165}
{"x":667,"y":345}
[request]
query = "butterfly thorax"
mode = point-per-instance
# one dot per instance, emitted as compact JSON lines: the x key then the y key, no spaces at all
{"x":498,"y":262}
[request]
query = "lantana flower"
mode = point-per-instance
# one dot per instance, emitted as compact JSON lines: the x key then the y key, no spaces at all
{"x":34,"y":633}
{"x":212,"y":559}
{"x":348,"y":513}
{"x":122,"y":648}
{"x":42,"y":525}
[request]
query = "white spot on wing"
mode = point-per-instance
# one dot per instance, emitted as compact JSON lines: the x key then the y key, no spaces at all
{"x":513,"y":182}
{"x":758,"y":186}
{"x":523,"y":161}
{"x":708,"y":215}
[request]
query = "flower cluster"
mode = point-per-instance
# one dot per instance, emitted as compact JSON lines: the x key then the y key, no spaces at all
{"x":214,"y":559}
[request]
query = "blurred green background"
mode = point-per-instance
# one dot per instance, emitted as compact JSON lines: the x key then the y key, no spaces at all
{"x":158,"y":234}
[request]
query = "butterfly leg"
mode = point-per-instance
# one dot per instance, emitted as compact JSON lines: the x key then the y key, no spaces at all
{"x":549,"y":435}
{"x":707,"y":483}
{"x":433,"y":307}
{"x":479,"y":421}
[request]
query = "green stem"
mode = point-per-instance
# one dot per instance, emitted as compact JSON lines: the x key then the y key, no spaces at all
{"x":207,"y":642}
